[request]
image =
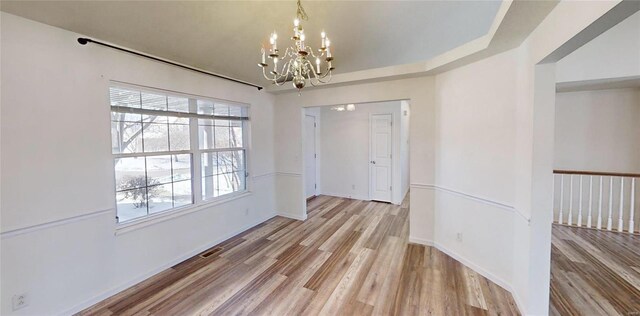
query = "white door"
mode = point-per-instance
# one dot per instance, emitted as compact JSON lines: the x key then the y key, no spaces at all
{"x":380,"y":157}
{"x":310,"y":155}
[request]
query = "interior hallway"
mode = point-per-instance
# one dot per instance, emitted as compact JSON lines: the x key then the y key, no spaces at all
{"x":594,"y":272}
{"x":350,"y":257}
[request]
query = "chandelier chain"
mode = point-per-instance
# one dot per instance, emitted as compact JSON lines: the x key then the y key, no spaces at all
{"x":301,"y":14}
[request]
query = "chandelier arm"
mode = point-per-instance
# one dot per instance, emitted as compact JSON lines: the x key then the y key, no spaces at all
{"x":291,"y":52}
{"x":287,"y":52}
{"x":278,"y":78}
{"x":264,"y":73}
{"x":314,"y":79}
{"x":287,"y":66}
{"x":315,"y":82}
{"x":324,"y":75}
{"x":275,"y":78}
{"x":310,"y":66}
{"x":319,"y":80}
{"x":285,"y":74}
{"x":311,"y":52}
{"x":328,"y":80}
{"x":278,"y":75}
{"x":282,"y":78}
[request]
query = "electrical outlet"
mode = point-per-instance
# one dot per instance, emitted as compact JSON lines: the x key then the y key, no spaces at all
{"x":246,"y":211}
{"x":20,"y":301}
{"x":353,"y":186}
{"x":459,"y":237}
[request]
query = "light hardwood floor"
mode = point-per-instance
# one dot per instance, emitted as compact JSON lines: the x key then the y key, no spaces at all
{"x":594,"y":272}
{"x":350,"y":257}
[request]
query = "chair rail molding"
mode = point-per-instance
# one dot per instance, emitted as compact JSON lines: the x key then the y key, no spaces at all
{"x":289,"y":174}
{"x":57,"y":222}
{"x":264,"y":175}
{"x":473,"y":197}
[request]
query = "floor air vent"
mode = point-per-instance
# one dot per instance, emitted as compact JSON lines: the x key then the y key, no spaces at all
{"x":210,"y":252}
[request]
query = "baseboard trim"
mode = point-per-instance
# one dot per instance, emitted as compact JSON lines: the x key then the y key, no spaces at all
{"x":495,"y":279}
{"x":346,"y":196}
{"x":92,"y":301}
{"x":421,"y":241}
{"x":519,"y":302}
{"x":293,"y":216}
{"x":492,"y":277}
{"x":404,"y":195}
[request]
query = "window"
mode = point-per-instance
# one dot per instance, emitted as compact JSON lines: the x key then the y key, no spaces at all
{"x":162,"y":143}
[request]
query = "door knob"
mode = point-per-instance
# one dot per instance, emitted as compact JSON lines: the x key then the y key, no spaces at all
{"x":373,"y":162}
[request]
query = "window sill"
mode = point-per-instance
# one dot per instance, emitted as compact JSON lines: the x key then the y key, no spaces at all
{"x":136,"y":224}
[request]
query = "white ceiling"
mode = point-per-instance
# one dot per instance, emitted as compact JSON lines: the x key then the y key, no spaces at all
{"x":225,"y":36}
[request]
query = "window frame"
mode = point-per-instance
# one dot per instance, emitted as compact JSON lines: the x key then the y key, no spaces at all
{"x":198,"y":200}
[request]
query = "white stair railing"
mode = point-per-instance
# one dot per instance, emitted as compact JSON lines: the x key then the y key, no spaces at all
{"x":600,"y":206}
{"x":621,"y":197}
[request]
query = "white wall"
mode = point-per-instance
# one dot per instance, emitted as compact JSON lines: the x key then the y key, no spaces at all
{"x":344,"y":138}
{"x":475,"y":163}
{"x":598,"y":130}
{"x":58,"y":207}
{"x":615,"y":53}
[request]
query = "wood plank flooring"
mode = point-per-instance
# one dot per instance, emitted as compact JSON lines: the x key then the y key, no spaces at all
{"x":349,"y":257}
{"x":594,"y":272}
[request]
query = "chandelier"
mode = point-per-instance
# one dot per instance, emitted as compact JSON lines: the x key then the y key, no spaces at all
{"x":294,"y":65}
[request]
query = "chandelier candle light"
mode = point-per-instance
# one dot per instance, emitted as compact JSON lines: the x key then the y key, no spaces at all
{"x":294,"y":63}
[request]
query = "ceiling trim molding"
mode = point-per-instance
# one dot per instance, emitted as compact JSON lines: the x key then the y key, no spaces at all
{"x":415,"y":69}
{"x":632,"y":82}
{"x":499,"y":38}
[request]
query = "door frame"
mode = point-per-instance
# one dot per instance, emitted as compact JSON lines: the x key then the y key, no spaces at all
{"x":316,"y":152}
{"x":370,"y":158}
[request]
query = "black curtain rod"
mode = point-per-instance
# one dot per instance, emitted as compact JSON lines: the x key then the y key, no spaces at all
{"x":84,"y":41}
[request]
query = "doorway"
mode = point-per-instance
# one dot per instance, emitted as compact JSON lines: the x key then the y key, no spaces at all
{"x":356,"y":151}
